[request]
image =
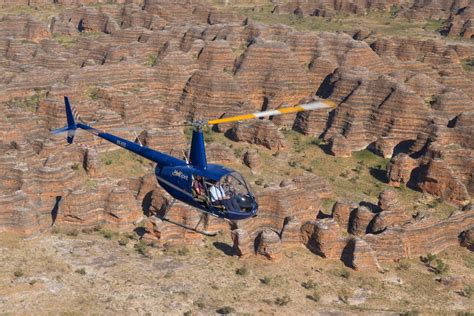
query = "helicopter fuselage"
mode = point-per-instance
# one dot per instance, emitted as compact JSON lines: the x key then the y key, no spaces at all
{"x":178,"y":182}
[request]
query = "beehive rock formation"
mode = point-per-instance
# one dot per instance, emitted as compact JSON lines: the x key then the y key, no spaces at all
{"x":467,"y":239}
{"x":269,"y":244}
{"x":341,"y":213}
{"x":360,"y":256}
{"x":359,"y":220}
{"x":399,"y":170}
{"x":153,"y":64}
{"x":339,"y":146}
{"x":392,"y":214}
{"x":242,"y":245}
{"x":260,"y":132}
{"x":252,"y":160}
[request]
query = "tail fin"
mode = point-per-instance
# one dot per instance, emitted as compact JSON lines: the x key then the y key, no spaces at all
{"x":71,"y":123}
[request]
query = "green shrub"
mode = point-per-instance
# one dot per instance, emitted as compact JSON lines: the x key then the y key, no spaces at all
{"x":292,"y":164}
{"x":266,"y":280}
{"x":316,"y":141}
{"x":18,"y":273}
{"x":238,"y":152}
{"x":343,"y":296}
{"x":28,"y":103}
{"x":142,"y":248}
{"x":199,"y":303}
{"x":345,"y":274}
{"x":468,"y":64}
{"x":358,"y":169}
{"x":81,"y":271}
{"x":93,"y":93}
{"x":440,"y":267}
{"x":282,"y":301}
{"x":123,"y":241}
{"x":309,"y":285}
{"x":467,"y":291}
{"x":183,"y":251}
{"x":428,"y":259}
{"x":404,"y":265}
{"x":55,"y":230}
{"x":225,"y":310}
{"x":107,"y":233}
{"x":151,"y":60}
{"x":394,"y":9}
{"x":344,"y":174}
{"x":314,"y":296}
{"x":72,"y":232}
{"x":243,"y":271}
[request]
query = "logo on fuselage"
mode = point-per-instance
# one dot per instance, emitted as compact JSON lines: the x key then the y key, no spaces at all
{"x":180,"y":174}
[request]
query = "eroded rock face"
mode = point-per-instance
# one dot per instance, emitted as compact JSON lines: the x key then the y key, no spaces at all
{"x":341,"y":213}
{"x":467,"y":239}
{"x":139,"y":65}
{"x":359,"y":220}
{"x":324,"y":237}
{"x":438,"y":179}
{"x":269,"y":244}
{"x":392,"y":213}
{"x":339,"y":146}
{"x":399,"y":170}
{"x":359,"y":255}
{"x":252,"y":160}
{"x":260,"y":132}
{"x":291,"y":232}
{"x":242,"y":244}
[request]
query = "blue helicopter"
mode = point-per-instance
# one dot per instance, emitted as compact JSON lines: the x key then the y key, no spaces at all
{"x":210,"y":188}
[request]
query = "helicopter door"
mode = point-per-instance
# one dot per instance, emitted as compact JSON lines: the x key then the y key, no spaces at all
{"x":200,"y":193}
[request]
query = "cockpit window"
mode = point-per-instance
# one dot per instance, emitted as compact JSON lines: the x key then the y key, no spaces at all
{"x":230,"y":193}
{"x":234,"y":184}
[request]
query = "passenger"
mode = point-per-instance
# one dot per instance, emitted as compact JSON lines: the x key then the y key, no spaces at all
{"x":219,"y":197}
{"x":198,"y":187}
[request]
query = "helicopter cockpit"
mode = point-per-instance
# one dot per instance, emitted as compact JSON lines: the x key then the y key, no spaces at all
{"x":229,"y":194}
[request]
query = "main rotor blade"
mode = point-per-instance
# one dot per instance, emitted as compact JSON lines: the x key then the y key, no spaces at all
{"x":325,"y":104}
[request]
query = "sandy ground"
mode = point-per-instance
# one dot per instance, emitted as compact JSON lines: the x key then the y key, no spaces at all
{"x":90,"y":274}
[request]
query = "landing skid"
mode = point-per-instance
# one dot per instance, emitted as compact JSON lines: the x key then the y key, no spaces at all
{"x":194,"y":229}
{"x":203,"y":232}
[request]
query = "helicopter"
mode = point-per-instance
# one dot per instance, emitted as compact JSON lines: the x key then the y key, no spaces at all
{"x":212,"y":189}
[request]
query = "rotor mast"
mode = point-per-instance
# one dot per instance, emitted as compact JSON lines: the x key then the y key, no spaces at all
{"x":197,"y":154}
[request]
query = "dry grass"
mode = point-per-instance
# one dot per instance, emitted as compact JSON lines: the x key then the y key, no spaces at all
{"x":123,"y":164}
{"x":203,"y":279}
{"x":380,"y":22}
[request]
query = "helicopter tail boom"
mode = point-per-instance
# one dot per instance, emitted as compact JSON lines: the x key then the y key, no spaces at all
{"x":71,"y":115}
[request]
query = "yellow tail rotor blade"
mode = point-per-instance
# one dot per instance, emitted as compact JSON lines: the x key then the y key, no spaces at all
{"x":325,"y":104}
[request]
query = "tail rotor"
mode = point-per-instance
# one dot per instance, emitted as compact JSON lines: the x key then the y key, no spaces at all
{"x":71,"y":126}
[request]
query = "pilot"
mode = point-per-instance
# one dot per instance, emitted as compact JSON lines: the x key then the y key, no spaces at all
{"x":219,"y":197}
{"x":228,"y":187}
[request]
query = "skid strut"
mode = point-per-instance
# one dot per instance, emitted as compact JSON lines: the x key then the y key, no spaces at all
{"x":194,"y":229}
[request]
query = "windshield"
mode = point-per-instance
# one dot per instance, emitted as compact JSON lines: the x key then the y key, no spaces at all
{"x":234,"y":184}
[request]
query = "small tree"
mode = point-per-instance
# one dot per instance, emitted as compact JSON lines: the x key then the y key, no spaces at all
{"x":428,"y":259}
{"x":440,"y":267}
